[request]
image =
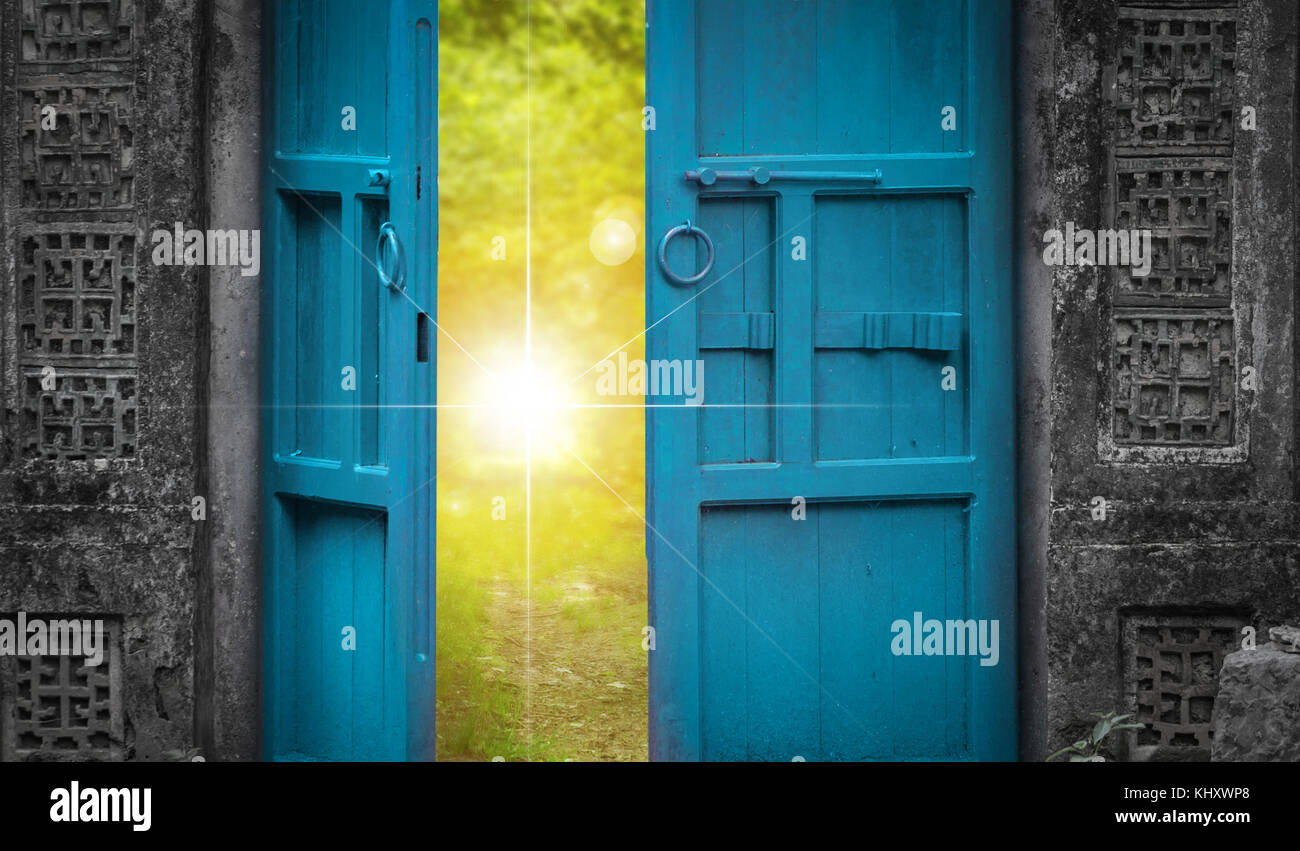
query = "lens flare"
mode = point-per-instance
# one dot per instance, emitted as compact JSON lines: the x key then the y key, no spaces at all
{"x":522,"y":403}
{"x":613,"y":242}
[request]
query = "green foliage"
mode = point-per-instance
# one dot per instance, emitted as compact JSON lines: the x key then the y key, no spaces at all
{"x":539,"y":140}
{"x":1086,"y":750}
{"x":580,"y":76}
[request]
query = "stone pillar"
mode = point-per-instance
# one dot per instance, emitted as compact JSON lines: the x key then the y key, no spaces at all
{"x":233,"y":164}
{"x":99,"y":366}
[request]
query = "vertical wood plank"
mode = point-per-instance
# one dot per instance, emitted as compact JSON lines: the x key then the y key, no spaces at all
{"x":783,"y":698}
{"x":780,"y":71}
{"x":794,"y":353}
{"x":855,"y":549}
{"x":853,"y":57}
{"x":724,"y":636}
{"x":722,"y":429}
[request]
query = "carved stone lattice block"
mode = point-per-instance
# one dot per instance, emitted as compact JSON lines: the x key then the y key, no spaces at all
{"x":87,"y":415}
{"x":1173,"y":82}
{"x":76,"y":295}
{"x":57,"y":706}
{"x":77,"y":147}
{"x":75,"y":153}
{"x":1186,"y":203}
{"x":91,"y":32}
{"x":1174,"y":378}
{"x":1171,"y":677}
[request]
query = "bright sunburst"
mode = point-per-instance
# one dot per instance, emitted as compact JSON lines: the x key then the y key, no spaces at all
{"x":520,"y":401}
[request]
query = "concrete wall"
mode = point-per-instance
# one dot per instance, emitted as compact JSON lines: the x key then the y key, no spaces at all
{"x":234,"y":198}
{"x":1167,"y":465}
{"x":120,"y":118}
{"x":130,"y":389}
{"x":99,"y":460}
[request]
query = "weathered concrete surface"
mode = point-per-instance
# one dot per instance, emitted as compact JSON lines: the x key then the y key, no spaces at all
{"x":117,"y":537}
{"x":1194,"y":538}
{"x":112,"y":537}
{"x":1257,"y":711}
{"x":231,"y":658}
{"x":1035,"y":131}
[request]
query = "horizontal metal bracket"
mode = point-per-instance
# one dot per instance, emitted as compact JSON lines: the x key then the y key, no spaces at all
{"x":761,"y":176}
{"x":936,"y":331}
{"x":737,"y":331}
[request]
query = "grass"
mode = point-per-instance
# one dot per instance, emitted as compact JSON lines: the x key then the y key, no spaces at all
{"x":558,"y":674}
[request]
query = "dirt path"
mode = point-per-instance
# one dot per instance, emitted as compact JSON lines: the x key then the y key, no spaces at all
{"x":580,"y":682}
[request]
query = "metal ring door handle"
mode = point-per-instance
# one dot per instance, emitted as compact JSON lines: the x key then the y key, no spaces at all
{"x":390,"y":259}
{"x":691,"y":229}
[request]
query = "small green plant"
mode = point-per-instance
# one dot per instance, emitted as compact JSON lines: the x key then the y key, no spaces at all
{"x":1086,"y":750}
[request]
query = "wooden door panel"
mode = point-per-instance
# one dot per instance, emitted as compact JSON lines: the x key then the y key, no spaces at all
{"x":349,"y":431}
{"x":851,"y":466}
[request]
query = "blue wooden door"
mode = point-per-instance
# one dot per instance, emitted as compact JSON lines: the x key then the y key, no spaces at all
{"x":351,"y":108}
{"x":832,"y":546}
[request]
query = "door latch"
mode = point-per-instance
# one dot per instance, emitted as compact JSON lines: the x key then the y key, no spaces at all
{"x":761,"y":176}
